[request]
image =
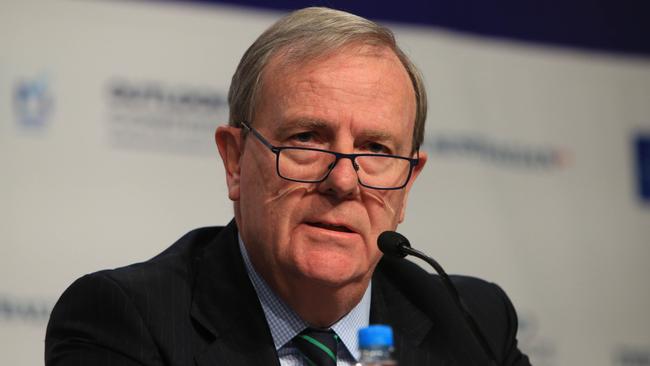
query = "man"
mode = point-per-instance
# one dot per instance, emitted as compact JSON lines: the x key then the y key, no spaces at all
{"x":327,"y":116}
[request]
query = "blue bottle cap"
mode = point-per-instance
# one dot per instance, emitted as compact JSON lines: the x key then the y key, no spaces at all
{"x":376,"y":336}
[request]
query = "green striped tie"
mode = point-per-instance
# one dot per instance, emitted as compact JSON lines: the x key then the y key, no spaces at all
{"x":317,"y":346}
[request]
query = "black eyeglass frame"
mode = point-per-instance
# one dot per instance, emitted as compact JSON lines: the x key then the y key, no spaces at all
{"x":413,"y":162}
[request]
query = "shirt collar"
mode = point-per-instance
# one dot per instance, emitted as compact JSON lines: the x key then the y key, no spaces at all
{"x":285,"y":324}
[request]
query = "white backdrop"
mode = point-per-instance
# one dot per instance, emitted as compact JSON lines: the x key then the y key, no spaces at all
{"x":107,"y":111}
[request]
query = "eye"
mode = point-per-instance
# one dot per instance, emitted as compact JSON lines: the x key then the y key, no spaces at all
{"x":303,"y":137}
{"x":377,"y":148}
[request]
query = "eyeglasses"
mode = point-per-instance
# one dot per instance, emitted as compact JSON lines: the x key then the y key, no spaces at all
{"x":310,"y":165}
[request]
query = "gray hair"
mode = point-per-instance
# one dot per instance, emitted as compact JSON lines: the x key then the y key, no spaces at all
{"x":306,"y":34}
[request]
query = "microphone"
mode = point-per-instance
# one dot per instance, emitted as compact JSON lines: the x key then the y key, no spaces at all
{"x":396,"y":245}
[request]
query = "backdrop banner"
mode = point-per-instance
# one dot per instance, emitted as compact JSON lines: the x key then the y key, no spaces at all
{"x":538,"y":178}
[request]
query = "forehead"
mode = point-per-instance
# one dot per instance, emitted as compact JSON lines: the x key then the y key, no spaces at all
{"x":365,"y":87}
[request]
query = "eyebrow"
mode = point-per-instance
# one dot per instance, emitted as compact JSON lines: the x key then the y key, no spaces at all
{"x":319,"y":124}
{"x":377,"y":135}
{"x":312,"y":124}
{"x":305,"y":123}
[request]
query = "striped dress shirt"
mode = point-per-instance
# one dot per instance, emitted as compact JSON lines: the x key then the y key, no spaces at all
{"x":285,"y":324}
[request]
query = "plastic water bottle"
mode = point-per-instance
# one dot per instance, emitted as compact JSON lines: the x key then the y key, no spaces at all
{"x":376,"y":346}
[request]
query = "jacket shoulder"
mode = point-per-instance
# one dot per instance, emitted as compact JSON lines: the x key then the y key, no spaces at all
{"x":486,"y":302}
{"x":176,"y":263}
{"x":121,"y":314}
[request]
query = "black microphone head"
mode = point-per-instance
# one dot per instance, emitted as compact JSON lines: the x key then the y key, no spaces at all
{"x":392,"y":243}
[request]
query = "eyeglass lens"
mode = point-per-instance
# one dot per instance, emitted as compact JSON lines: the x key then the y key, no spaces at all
{"x":373,"y":170}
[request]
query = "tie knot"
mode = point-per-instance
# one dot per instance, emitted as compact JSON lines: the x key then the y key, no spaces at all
{"x":318,"y":346}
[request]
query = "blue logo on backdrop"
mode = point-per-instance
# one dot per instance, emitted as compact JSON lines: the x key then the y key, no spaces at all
{"x":642,"y":155}
{"x":33,"y":102}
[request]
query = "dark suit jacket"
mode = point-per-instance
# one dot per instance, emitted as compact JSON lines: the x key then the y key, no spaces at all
{"x":194,"y":305}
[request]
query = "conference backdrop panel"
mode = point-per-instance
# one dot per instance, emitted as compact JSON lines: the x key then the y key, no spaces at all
{"x":538,"y":176}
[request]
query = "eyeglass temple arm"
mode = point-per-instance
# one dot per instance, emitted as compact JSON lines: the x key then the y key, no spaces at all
{"x":416,"y":160}
{"x":259,"y":137}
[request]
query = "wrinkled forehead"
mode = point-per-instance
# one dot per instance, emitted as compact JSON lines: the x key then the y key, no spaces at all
{"x":293,"y":59}
{"x":369,"y":81}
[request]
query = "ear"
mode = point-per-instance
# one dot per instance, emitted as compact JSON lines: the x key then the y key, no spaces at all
{"x":416,"y":171}
{"x":229,"y":142}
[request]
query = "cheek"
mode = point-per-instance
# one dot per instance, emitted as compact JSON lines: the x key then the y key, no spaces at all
{"x":383,"y":209}
{"x":269,"y":203}
{"x":258,"y":181}
{"x":258,"y":178}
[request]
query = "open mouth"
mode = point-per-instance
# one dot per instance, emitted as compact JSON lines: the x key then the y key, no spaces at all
{"x":340,"y":228}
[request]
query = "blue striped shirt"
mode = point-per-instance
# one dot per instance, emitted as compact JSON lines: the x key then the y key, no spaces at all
{"x":286,"y":324}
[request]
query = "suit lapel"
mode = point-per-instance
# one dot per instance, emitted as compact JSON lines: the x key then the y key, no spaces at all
{"x":227,"y":310}
{"x":410,"y":325}
{"x":428,"y":328}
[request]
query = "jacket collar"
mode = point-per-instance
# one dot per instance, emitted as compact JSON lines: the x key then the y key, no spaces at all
{"x":225,"y":306}
{"x":410,"y":325}
{"x":428,"y":327}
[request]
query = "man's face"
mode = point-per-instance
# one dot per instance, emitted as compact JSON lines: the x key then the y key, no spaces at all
{"x":358,"y":100}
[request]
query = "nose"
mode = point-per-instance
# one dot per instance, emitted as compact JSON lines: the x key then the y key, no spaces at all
{"x":342,"y":181}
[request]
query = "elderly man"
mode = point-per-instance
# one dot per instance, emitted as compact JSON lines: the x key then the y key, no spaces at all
{"x":326,"y":119}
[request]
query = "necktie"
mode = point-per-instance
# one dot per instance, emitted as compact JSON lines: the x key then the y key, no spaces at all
{"x":318,"y":346}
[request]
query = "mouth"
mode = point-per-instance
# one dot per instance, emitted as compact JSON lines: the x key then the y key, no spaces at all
{"x":333,"y":227}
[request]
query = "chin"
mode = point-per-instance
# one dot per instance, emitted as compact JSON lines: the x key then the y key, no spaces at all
{"x":331,"y":269}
